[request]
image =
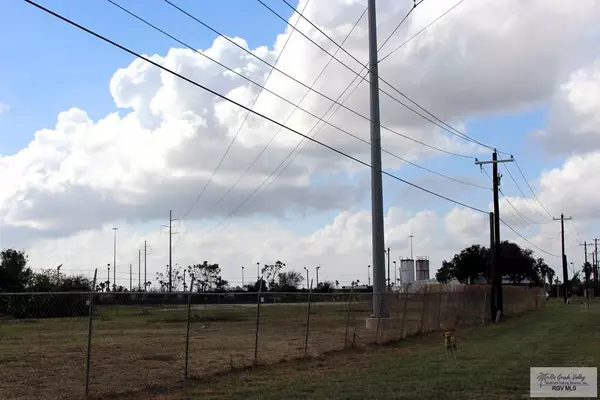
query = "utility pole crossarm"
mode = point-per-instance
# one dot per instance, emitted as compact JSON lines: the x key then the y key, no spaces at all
{"x":477,"y":162}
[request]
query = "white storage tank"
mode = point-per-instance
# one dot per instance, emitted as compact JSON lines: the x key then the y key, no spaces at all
{"x":422,"y":268}
{"x":407,"y":270}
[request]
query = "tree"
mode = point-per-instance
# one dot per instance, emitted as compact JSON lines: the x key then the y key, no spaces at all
{"x":15,"y":275}
{"x":44,"y":281}
{"x":254,"y":287}
{"x":271,"y":272}
{"x":208,"y":276}
{"x":587,"y":271}
{"x":289,"y":281}
{"x":176,"y":278}
{"x":575,"y":279}
{"x":518,"y":264}
{"x":472,"y":264}
{"x":467,"y":266}
{"x":324,"y":287}
{"x":221,"y":284}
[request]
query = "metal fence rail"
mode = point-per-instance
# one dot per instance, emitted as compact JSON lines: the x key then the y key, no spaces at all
{"x":140,"y":340}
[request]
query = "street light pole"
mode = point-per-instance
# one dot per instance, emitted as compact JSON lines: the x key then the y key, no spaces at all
{"x":243,"y":277}
{"x":108,"y":280}
{"x":258,"y":271}
{"x":115,"y":257}
{"x":306,"y":269}
{"x":389,"y":275}
{"x":395,"y":274}
{"x":318,"y":275}
{"x":369,"y":274}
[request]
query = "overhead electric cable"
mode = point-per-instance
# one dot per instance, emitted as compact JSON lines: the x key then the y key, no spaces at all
{"x":213,"y":92}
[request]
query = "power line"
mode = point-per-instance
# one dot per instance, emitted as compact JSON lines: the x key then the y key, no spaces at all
{"x":521,"y":236}
{"x":443,"y":125}
{"x":508,"y":201}
{"x":213,"y":92}
{"x":325,"y":122}
{"x":526,"y":198}
{"x":311,"y":89}
{"x":530,"y":188}
{"x":256,"y":98}
{"x":279,"y":130}
{"x":262,"y":87}
{"x":303,"y":140}
{"x":523,"y":221}
{"x":419,"y":32}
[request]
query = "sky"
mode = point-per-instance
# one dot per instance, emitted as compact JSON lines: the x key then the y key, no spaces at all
{"x":93,"y":138}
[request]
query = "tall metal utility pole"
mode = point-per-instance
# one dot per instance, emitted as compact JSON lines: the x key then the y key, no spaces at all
{"x":108,"y":280}
{"x":411,"y":246}
{"x":140,"y":269}
{"x":145,"y":270}
{"x":564,"y":256}
{"x":115,"y":257}
{"x":170,"y":226}
{"x":378,"y":238}
{"x":130,"y":279}
{"x":586,"y":271}
{"x":497,"y":276}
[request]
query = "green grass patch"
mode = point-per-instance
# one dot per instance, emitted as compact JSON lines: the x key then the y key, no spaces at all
{"x":493,"y":363}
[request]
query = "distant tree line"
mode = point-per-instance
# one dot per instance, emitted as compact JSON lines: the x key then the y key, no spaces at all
{"x":516,"y":264}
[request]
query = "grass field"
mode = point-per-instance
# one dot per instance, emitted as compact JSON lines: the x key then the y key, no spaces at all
{"x":135,"y":348}
{"x":493,"y":363}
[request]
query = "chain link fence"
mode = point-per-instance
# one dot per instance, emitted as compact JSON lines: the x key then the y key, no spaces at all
{"x":69,"y":345}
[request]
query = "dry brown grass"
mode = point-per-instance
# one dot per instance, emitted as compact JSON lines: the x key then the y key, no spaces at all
{"x":134,"y":350}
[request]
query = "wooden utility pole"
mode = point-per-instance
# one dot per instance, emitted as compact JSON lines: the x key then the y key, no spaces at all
{"x":595,"y":267}
{"x":492,"y":269}
{"x":586,"y":271}
{"x":564,"y":256}
{"x":496,"y":263}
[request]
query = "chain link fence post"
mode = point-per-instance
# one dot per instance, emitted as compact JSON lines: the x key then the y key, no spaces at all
{"x":424,"y":294}
{"x":402,"y":332}
{"x":348,"y":319}
{"x":260,"y":284}
{"x":439,"y":309}
{"x":187,"y":333}
{"x":307,"y":320}
{"x":484,"y":308}
{"x":89,"y":343}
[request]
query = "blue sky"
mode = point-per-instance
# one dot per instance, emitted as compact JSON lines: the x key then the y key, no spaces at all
{"x":53,"y":67}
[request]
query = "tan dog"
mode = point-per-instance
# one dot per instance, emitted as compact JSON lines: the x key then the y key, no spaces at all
{"x":450,"y":343}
